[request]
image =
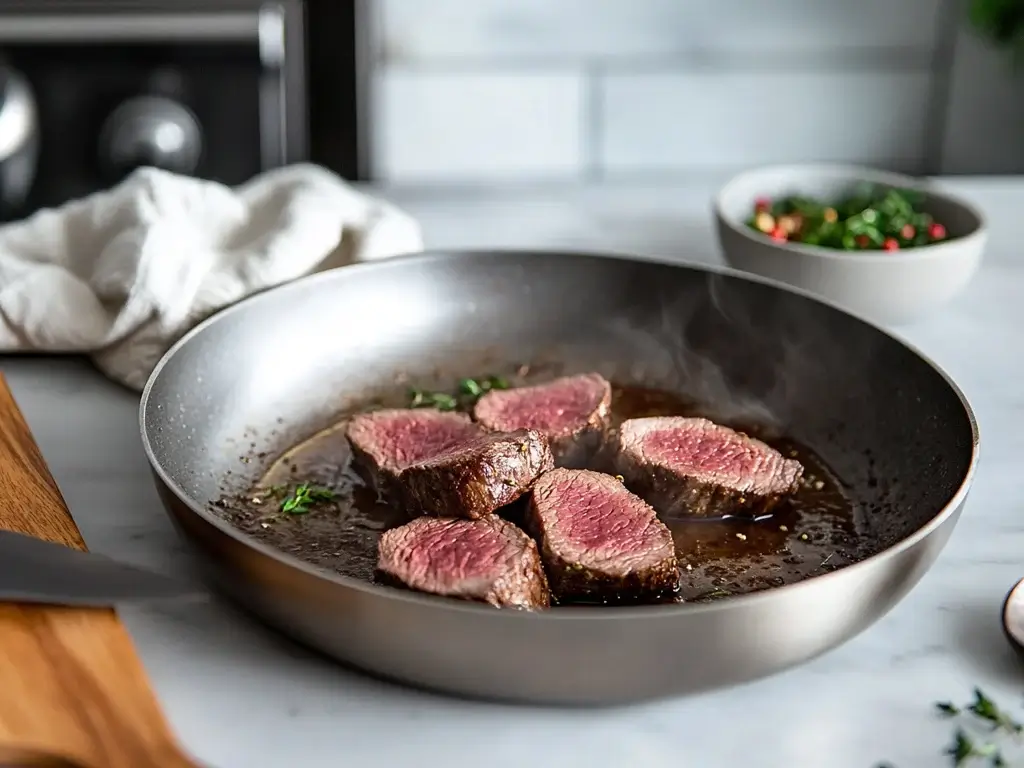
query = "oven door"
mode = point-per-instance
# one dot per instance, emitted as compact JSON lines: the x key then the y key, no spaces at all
{"x":211,"y":88}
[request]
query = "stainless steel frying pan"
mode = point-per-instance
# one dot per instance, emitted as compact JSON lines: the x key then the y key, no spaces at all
{"x":894,"y":429}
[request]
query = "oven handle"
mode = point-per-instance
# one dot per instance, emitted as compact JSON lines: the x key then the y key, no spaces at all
{"x":201,"y":26}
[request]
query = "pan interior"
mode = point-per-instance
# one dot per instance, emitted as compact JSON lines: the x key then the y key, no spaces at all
{"x":887,"y":425}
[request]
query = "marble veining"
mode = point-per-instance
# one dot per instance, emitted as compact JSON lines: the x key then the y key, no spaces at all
{"x":242,"y":697}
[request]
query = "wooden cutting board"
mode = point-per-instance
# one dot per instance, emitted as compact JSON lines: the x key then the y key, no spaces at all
{"x":71,"y":684}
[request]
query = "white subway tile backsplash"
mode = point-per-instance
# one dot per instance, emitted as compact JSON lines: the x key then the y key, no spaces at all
{"x":416,"y":30}
{"x":664,"y":122}
{"x":472,"y":126}
{"x":496,"y":90}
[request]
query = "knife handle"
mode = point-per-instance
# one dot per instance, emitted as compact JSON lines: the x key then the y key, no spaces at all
{"x":71,"y":685}
{"x":13,"y":757}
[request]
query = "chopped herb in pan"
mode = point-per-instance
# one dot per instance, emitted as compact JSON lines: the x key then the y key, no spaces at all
{"x":469,"y":391}
{"x":442,"y":401}
{"x":476,"y":388}
{"x":303,"y":497}
{"x":869,"y":219}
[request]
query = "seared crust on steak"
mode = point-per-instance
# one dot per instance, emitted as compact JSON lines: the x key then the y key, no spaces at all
{"x":487,"y":560}
{"x":598,"y":540}
{"x":692,"y":467}
{"x":573,"y":412}
{"x":477,"y":476}
{"x":385,"y":442}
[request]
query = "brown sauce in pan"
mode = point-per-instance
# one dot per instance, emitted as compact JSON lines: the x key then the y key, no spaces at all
{"x":814,"y":532}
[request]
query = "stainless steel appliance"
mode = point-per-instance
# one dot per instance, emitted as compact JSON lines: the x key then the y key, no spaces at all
{"x":90,"y":91}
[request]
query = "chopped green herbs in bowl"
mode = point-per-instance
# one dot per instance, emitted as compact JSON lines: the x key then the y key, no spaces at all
{"x":888,"y":247}
{"x":871,"y":218}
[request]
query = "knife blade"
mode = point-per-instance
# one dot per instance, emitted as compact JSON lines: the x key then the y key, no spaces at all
{"x":36,"y":571}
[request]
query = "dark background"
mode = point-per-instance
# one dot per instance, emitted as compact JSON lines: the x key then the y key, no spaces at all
{"x":332,"y":77}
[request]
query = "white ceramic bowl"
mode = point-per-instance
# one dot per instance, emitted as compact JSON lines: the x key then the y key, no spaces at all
{"x":886,"y":287}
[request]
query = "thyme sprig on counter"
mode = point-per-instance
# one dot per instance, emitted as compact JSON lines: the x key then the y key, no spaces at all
{"x":983,"y":708}
{"x":469,"y":391}
{"x":964,"y":749}
{"x":985,"y":749}
{"x":967,"y":747}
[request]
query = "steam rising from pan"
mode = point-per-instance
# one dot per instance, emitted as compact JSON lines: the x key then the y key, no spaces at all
{"x":762,"y":363}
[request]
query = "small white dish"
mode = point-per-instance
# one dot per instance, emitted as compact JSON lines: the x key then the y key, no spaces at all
{"x":1013,"y":616}
{"x":883,"y":286}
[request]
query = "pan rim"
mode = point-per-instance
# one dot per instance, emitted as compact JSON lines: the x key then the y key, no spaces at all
{"x":578,"y":613}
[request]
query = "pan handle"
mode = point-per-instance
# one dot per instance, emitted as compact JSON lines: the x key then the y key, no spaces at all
{"x":72,"y":689}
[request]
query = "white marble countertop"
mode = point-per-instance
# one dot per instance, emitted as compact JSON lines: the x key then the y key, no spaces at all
{"x":241,"y":697}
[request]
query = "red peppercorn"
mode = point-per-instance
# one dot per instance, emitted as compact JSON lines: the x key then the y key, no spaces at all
{"x":908,"y":232}
{"x":762,"y":204}
{"x":779,"y":234}
{"x":936,"y":231}
{"x":891,"y":244}
{"x":862,"y":240}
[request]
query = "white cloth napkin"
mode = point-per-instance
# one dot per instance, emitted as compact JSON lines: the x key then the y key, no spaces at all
{"x":122,"y":274}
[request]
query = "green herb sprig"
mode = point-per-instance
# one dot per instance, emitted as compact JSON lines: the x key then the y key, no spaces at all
{"x":967,"y":748}
{"x":964,"y":749}
{"x":442,"y":401}
{"x":477,"y":388}
{"x":303,"y":497}
{"x":469,"y":391}
{"x":984,"y":708}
